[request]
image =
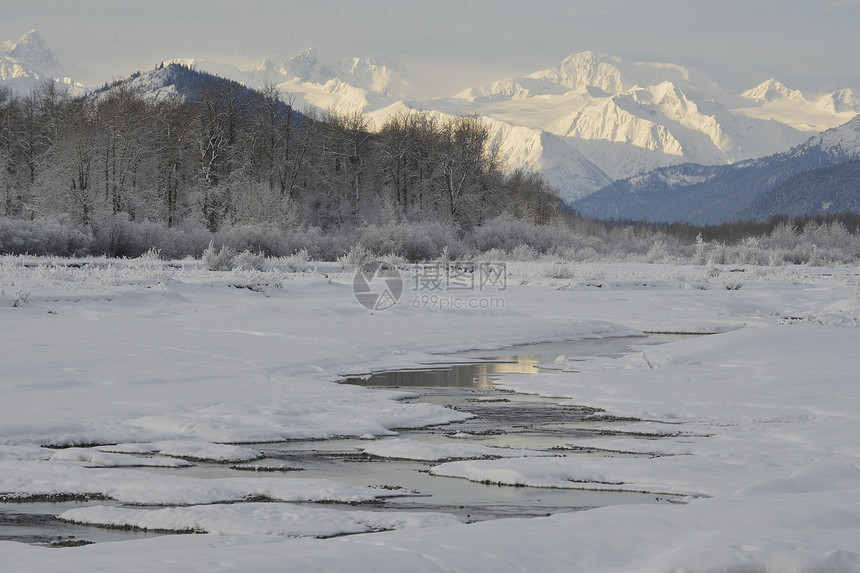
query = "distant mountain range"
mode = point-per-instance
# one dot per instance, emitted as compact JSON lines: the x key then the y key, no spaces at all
{"x":585,"y":123}
{"x":808,"y":179}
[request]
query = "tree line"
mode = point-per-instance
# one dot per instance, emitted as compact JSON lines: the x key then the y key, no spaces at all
{"x":228,"y":156}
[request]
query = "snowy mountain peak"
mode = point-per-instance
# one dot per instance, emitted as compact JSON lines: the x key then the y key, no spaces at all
{"x":31,"y":48}
{"x":585,"y":69}
{"x":772,"y":90}
{"x":841,"y":140}
{"x":310,"y":65}
{"x":615,"y":75}
{"x":317,"y":67}
{"x":27,"y":62}
{"x":840,"y":101}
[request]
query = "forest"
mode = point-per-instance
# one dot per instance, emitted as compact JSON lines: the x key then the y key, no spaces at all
{"x":120,"y":173}
{"x":231,"y":157}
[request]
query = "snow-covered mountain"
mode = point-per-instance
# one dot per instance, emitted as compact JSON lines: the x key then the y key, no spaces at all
{"x":318,"y":79}
{"x":748,"y":189}
{"x":625,"y":118}
{"x":27,"y":62}
{"x":181,"y":82}
{"x":582,"y":123}
{"x":630,"y":117}
{"x":772,"y":100}
{"x":586,"y":121}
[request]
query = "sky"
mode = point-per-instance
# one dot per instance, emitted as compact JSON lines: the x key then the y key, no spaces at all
{"x":455,"y":44}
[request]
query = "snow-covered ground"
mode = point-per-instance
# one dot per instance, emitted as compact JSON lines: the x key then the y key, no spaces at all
{"x":117,"y":365}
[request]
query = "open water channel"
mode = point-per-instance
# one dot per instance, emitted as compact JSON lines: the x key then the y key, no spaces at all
{"x":463,"y":382}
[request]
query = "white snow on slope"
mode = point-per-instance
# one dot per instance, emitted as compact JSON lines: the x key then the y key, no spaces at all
{"x":29,"y":61}
{"x":772,"y":100}
{"x":629,"y":117}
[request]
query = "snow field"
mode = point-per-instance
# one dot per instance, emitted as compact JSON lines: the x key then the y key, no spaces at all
{"x":159,"y":365}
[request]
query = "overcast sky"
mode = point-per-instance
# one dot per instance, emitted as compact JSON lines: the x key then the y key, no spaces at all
{"x":459,"y":43}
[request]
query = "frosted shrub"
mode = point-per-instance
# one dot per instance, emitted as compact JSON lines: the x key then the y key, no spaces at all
{"x":593,"y":273}
{"x":749,"y":252}
{"x":733,"y":283}
{"x":784,"y":236}
{"x":116,"y":236}
{"x":153,"y":255}
{"x":556,"y":271}
{"x":246,"y":260}
{"x":699,"y":255}
{"x":298,"y":261}
{"x":711,"y":270}
{"x":320,"y":245}
{"x":357,"y":255}
{"x":445,"y":258}
{"x":719,"y":255}
{"x":507,"y":233}
{"x":218,"y":261}
{"x":423,"y":241}
{"x":21,"y":296}
{"x":258,"y":238}
{"x":48,"y":236}
{"x":494,"y":255}
{"x":826,"y":235}
{"x":392,"y":259}
{"x":301,"y":256}
{"x":381,"y":239}
{"x":579,"y":254}
{"x":186,"y":239}
{"x":524,"y":253}
{"x":658,"y":253}
{"x":414,"y":241}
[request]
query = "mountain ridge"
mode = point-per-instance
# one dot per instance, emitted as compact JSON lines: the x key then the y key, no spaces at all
{"x":705,"y":195}
{"x":29,"y":61}
{"x":589,"y":119}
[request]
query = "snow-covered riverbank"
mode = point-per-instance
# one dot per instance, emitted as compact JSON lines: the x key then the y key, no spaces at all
{"x":760,"y":421}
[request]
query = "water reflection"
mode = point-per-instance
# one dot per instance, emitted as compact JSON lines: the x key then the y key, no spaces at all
{"x":474,"y":369}
{"x":471,"y":375}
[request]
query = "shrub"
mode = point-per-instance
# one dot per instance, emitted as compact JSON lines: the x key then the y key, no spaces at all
{"x":658,"y":253}
{"x":48,"y":236}
{"x":356,"y":255}
{"x":556,"y":271}
{"x":699,"y":256}
{"x":507,"y":233}
{"x":525,"y":253}
{"x":414,"y":241}
{"x":218,"y":261}
{"x":733,"y":283}
{"x":266,"y":239}
{"x":246,"y":260}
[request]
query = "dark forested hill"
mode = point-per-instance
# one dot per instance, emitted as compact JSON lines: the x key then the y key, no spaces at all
{"x":817,"y":192}
{"x":714,"y":194}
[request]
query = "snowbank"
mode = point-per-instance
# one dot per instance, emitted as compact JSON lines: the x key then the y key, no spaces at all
{"x":134,"y":366}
